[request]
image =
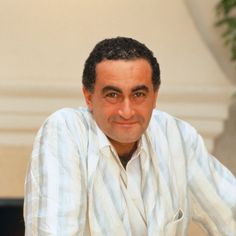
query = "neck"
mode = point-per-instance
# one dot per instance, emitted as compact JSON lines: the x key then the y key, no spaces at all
{"x":124,"y":151}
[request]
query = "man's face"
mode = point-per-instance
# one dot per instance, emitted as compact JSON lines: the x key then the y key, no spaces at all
{"x":123,"y":99}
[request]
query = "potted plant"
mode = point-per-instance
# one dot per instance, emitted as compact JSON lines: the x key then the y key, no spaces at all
{"x":226,"y":13}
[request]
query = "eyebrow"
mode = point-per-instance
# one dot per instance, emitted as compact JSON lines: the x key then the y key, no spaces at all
{"x":118,"y":90}
{"x":110,"y":87}
{"x":140,"y":87}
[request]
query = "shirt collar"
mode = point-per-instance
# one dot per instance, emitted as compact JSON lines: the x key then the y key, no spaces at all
{"x":103,"y":141}
{"x":143,"y":146}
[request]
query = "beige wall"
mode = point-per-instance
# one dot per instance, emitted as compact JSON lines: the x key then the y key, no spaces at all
{"x":49,"y":40}
{"x":203,"y":13}
{"x":43,"y":45}
{"x":204,"y":16}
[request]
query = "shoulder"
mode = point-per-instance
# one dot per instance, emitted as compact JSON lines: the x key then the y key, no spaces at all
{"x":70,"y":116}
{"x":69,"y":120}
{"x":169,"y":125}
{"x":163,"y":120}
{"x":68,"y":113}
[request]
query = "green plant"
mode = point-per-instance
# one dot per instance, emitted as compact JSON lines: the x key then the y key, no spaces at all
{"x":226,"y":13}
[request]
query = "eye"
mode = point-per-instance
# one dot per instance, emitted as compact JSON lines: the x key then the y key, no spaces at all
{"x":139,"y":97}
{"x":111,"y":95}
{"x":139,"y":94}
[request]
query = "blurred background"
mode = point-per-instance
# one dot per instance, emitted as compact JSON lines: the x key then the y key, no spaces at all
{"x":43,"y":46}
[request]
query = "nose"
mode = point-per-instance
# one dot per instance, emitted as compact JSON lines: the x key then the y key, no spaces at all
{"x":126,"y":110}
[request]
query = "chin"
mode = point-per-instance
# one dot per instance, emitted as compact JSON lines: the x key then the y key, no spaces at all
{"x":127,"y":140}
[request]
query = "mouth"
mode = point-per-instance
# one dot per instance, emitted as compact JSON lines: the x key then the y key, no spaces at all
{"x":126,"y":124}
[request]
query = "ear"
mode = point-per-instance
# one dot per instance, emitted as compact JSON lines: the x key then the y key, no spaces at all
{"x":88,"y":98}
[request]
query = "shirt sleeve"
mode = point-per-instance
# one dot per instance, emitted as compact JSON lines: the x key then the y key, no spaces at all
{"x":55,"y":195}
{"x":213,"y":191}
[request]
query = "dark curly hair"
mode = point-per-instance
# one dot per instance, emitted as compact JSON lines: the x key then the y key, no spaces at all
{"x":119,"y":48}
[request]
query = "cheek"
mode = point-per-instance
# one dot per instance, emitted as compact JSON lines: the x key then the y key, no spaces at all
{"x":103,"y":112}
{"x":108,"y":108}
{"x":145,"y":112}
{"x":96,"y":103}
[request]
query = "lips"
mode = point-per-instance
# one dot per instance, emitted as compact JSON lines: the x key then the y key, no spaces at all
{"x":126,"y":123}
{"x":117,"y":120}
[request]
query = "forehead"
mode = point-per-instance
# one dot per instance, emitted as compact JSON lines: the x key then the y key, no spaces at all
{"x":124,"y":72}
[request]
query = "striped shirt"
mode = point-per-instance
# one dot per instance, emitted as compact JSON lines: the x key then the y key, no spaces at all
{"x":76,"y":185}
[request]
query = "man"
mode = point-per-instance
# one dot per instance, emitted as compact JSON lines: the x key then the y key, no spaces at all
{"x":121,"y":167}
